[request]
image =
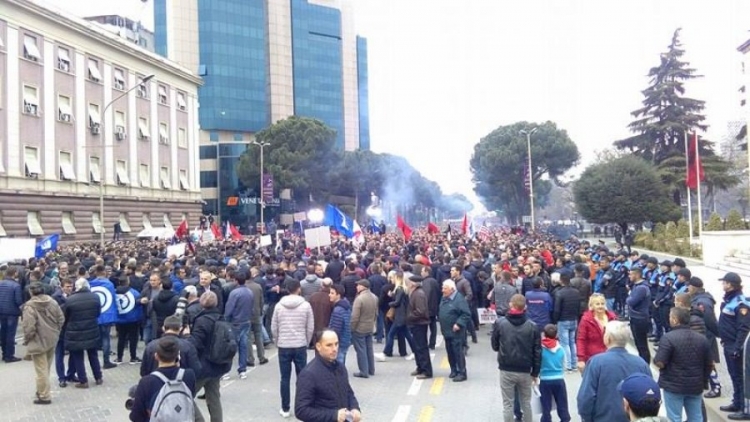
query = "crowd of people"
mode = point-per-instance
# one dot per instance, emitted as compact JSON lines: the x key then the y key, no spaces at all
{"x":561,"y":307}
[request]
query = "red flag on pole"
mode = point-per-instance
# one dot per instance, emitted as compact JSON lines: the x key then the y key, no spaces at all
{"x":694,"y":165}
{"x":182,"y":230}
{"x":236,"y":235}
{"x":465,"y":225}
{"x":405,"y":229}
{"x":432,"y":228}
{"x":215,"y":230}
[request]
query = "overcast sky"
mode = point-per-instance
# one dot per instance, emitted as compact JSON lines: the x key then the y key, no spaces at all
{"x":445,"y":73}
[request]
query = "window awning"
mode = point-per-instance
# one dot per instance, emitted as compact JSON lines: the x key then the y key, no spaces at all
{"x":32,"y":222}
{"x":165,"y":181}
{"x":64,"y":108}
{"x":167,"y":223}
{"x":94,"y":170}
{"x":68,"y":226}
{"x":67,"y":171}
{"x":122,"y":176}
{"x":146,"y":222}
{"x":124,"y":226}
{"x":143,"y":128}
{"x":30,"y":97}
{"x":30,"y":48}
{"x":181,"y":101}
{"x":184,"y":185}
{"x":62,"y":54}
{"x":162,"y":91}
{"x":163,"y":132}
{"x":94,"y":116}
{"x":2,"y":229}
{"x":32,"y":165}
{"x":94,"y":71}
{"x":96,"y":222}
{"x":119,"y":76}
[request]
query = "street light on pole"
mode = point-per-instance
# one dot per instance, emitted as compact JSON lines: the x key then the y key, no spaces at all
{"x":262,"y":199}
{"x":531,"y":180}
{"x":103,"y":152}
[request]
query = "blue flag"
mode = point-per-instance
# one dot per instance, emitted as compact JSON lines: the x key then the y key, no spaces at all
{"x":47,"y":244}
{"x":336,"y":219}
{"x":374,"y":226}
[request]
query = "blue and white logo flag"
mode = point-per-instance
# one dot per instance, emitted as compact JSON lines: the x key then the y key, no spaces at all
{"x":47,"y":244}
{"x":336,"y":218}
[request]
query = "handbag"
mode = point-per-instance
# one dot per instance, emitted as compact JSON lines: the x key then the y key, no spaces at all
{"x":391,"y":314}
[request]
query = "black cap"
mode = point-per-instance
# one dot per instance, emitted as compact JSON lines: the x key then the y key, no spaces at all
{"x":696,"y":282}
{"x":652,"y":260}
{"x":666,"y":262}
{"x":416,"y":278}
{"x":643,"y":256}
{"x":685,"y":273}
{"x":679,"y":262}
{"x":732,"y":278}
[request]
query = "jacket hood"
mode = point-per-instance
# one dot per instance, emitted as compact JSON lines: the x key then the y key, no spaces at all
{"x":311,"y":278}
{"x":705,"y":295}
{"x":165,"y":295}
{"x":516,"y":319}
{"x":344,"y":303}
{"x":291,"y":301}
{"x":40,"y":302}
{"x":550,"y":343}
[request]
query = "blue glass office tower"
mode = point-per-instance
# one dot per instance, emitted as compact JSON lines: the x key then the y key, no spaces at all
{"x":364,"y":94}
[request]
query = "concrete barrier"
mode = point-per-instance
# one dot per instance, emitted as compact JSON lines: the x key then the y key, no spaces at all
{"x":718,"y":245}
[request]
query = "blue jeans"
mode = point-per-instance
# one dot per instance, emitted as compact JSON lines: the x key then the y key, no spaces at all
{"x":287,"y":356}
{"x":675,"y":402}
{"x":554,"y":389}
{"x":240,"y":333}
{"x":341,"y":356}
{"x":566,"y":332}
{"x":380,"y":326}
{"x":397,"y":330}
{"x":148,"y":331}
{"x":610,"y":304}
{"x":8,"y":327}
{"x":104,"y":330}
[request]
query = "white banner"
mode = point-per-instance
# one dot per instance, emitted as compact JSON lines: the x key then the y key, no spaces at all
{"x":318,"y":236}
{"x":177,"y":250}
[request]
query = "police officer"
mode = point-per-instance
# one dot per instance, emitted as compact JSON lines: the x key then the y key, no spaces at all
{"x":734,"y":324}
{"x":664,"y":299}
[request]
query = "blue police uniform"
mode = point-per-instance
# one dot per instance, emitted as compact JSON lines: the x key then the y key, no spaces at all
{"x":734,"y":325}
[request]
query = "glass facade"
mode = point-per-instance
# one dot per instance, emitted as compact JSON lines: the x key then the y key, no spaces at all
{"x":317,"y":65}
{"x":160,"y":27}
{"x":233,"y":49}
{"x":364,"y":94}
{"x":230,"y":185}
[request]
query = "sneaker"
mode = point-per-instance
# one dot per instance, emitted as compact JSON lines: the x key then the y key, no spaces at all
{"x":117,"y":361}
{"x":380,"y":357}
{"x":263,"y":361}
{"x":243,"y":375}
{"x":109,"y":365}
{"x":409,"y":357}
{"x":226,"y":377}
{"x":285,"y":414}
{"x":135,"y":361}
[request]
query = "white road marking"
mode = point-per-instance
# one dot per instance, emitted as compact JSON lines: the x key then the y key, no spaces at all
{"x":415,"y":386}
{"x":402,"y":414}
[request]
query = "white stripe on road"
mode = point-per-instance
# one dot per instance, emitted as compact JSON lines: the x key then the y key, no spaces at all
{"x":415,"y":386}
{"x":402,"y":414}
{"x":439,"y":341}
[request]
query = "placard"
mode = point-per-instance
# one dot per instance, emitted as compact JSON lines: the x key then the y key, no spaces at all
{"x":486,"y":316}
{"x":265,"y":240}
{"x":12,"y":249}
{"x":318,"y":237}
{"x":177,"y":250}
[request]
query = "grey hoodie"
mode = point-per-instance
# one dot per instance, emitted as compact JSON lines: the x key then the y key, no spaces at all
{"x":310,"y":285}
{"x":292,"y":324}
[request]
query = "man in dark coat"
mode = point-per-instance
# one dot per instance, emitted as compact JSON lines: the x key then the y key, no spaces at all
{"x":82,"y":311}
{"x":454,"y":317}
{"x":315,"y":400}
{"x":188,"y":354}
{"x":431,"y":288}
{"x":703,"y":303}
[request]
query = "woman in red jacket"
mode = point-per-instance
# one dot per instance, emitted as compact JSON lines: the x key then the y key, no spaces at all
{"x":590,"y":340}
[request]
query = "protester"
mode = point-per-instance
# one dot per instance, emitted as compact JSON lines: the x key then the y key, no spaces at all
{"x":454,"y":317}
{"x":11,"y":299}
{"x":82,"y":332}
{"x":363,"y":323}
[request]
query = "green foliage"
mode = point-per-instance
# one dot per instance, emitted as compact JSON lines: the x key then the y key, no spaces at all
{"x":497,"y":165}
{"x":660,"y":229}
{"x":714,"y":223}
{"x":641,"y":196}
{"x":670,"y":231}
{"x":734,"y":221}
{"x":683,"y":229}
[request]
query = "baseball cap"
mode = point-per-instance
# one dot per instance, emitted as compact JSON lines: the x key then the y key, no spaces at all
{"x":696,"y":282}
{"x":685,"y":273}
{"x":732,"y":278}
{"x":666,"y":262}
{"x":364,"y":282}
{"x":638,"y":387}
{"x":652,"y":260}
{"x":679,"y":262}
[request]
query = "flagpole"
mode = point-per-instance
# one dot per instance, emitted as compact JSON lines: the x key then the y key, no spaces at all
{"x":698,"y":191}
{"x":689,"y":202}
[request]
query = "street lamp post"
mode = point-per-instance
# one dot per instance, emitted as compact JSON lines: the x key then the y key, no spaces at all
{"x":262,"y":199}
{"x":103,"y":152}
{"x":531,"y":180}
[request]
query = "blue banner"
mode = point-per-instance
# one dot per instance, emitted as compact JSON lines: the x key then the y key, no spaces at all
{"x":336,"y":219}
{"x":47,"y":244}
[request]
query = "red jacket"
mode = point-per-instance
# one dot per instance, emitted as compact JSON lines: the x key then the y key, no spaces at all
{"x":590,"y":340}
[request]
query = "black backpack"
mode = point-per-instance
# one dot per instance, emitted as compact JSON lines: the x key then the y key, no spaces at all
{"x":223,"y":343}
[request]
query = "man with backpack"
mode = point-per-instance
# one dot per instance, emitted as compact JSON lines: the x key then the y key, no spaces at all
{"x":216,"y":345}
{"x":167,"y":393}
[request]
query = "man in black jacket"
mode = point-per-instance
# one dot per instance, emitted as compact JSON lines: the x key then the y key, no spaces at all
{"x":685,"y":363}
{"x":417,"y":319}
{"x":517,"y":342}
{"x":315,"y":400}
{"x":188,"y":354}
{"x":432,"y":290}
{"x":82,"y":311}
{"x":565,"y":315}
{"x":703,"y":302}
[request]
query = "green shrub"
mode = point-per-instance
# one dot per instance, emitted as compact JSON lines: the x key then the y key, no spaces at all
{"x":683,"y":229}
{"x":714,"y":223}
{"x":659,"y":229}
{"x":734,"y":221}
{"x":649,"y":243}
{"x":670,"y":231}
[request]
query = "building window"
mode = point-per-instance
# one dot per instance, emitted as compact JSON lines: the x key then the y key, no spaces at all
{"x":122,"y":173}
{"x":34,"y":223}
{"x":64,"y":110}
{"x":209,"y":179}
{"x":30,"y":48}
{"x":164,"y":178}
{"x":120,"y":133}
{"x":30,"y":100}
{"x":67,"y":223}
{"x":238,"y":137}
{"x":143,"y":132}
{"x":142,"y":90}
{"x":63,"y":59}
{"x":182,"y":138}
{"x":163,"y":133}
{"x":163,"y":95}
{"x":31,"y":162}
{"x":213,"y":136}
{"x":96,"y":222}
{"x":94,"y":172}
{"x":167,"y":223}
{"x":207,"y":152}
{"x":119,"y":81}
{"x":144,"y":176}
{"x":95,"y":120}
{"x":181,"y":103}
{"x":184,"y":185}
{"x":94,"y":73}
{"x":146,"y":221}
{"x":124,"y":226}
{"x":66,"y":166}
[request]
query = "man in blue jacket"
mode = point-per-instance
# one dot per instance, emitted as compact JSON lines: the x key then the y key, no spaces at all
{"x":107,"y":296}
{"x":598,"y":397}
{"x":129,"y":316}
{"x":11,"y":299}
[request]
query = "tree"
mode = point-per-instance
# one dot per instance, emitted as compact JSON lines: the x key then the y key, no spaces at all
{"x":299,"y":153}
{"x":624,"y":191}
{"x":666,"y":115}
{"x":497,"y":166}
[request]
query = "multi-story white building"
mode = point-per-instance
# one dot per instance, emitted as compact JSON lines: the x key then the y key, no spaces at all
{"x":63,"y":130}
